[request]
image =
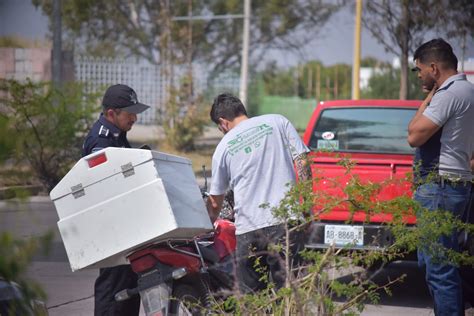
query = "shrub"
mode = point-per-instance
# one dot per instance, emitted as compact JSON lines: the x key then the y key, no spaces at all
{"x":314,"y":288}
{"x":184,"y":117}
{"x":48,"y":125}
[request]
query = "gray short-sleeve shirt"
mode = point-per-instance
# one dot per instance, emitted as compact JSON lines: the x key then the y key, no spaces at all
{"x":452,"y":108}
{"x":255,"y":159}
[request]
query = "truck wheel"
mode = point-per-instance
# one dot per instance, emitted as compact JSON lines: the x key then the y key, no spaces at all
{"x":187,"y":300}
{"x":376,"y":265}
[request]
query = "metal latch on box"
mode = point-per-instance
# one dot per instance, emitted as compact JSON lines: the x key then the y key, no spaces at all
{"x":77,"y":191}
{"x":127,"y":170}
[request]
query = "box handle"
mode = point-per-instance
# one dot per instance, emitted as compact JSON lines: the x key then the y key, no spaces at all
{"x":77,"y":191}
{"x":128,"y":170}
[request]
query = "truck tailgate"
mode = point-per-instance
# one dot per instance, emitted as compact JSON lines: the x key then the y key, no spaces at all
{"x":331,"y":178}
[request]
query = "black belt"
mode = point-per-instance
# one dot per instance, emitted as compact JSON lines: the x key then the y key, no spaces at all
{"x":445,"y":181}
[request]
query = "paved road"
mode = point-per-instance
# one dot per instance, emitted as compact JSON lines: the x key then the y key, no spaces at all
{"x":71,"y":293}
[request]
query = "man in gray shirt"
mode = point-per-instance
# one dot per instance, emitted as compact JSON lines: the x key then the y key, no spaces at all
{"x":442,"y":130}
{"x":256,"y":159}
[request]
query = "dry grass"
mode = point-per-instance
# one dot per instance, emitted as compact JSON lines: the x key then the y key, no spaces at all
{"x":199,"y":157}
{"x":13,"y":176}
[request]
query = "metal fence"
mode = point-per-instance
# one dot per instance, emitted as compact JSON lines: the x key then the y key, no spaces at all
{"x":147,"y":80}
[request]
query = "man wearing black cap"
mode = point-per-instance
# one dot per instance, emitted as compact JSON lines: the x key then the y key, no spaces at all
{"x":119,"y":112}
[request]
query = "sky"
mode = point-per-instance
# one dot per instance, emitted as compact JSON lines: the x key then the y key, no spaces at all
{"x":333,"y":44}
{"x":20,"y":17}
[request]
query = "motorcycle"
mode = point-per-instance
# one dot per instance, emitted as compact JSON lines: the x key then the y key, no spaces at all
{"x":182,"y":277}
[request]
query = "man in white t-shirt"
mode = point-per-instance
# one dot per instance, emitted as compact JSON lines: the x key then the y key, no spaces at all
{"x":256,"y":158}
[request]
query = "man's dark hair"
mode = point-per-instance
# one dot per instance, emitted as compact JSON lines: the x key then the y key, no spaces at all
{"x":437,"y":50}
{"x":226,"y":106}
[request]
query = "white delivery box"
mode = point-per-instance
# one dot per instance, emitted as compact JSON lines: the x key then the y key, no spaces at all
{"x":118,"y":199}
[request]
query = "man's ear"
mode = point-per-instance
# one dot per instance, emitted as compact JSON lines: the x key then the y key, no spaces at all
{"x":434,"y":68}
{"x":223,"y":125}
{"x":109,"y":112}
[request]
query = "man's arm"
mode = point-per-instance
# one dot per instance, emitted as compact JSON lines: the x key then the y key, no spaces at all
{"x":214,"y":206}
{"x":303,"y":167}
{"x":421,"y":128}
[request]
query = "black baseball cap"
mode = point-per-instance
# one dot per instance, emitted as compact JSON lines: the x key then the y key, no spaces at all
{"x":123,"y":97}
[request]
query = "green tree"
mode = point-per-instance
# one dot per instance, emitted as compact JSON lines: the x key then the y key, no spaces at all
{"x":146,"y":28}
{"x":184,"y":117}
{"x":7,"y":142}
{"x":373,"y":62}
{"x":385,"y":84}
{"x":47,"y":124}
{"x":278,"y":81}
{"x":311,"y":80}
{"x":401,"y":26}
{"x":19,"y":42}
{"x":16,"y":254}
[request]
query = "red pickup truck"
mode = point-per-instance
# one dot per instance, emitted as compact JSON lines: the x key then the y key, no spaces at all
{"x":372,"y":134}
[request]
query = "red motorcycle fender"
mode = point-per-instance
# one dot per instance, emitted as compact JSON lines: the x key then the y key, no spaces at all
{"x":145,"y":259}
{"x":224,"y":237}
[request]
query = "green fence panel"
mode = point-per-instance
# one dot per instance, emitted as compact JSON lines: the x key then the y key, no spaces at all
{"x":297,"y":110}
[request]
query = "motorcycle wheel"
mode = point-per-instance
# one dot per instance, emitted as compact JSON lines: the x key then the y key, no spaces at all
{"x":187,"y":300}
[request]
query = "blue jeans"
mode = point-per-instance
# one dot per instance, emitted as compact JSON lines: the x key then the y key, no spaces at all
{"x":443,"y":279}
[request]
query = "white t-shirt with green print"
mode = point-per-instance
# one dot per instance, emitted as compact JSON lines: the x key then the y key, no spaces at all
{"x":255,"y":159}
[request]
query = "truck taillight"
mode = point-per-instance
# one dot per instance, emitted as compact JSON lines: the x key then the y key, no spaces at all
{"x":97,"y":160}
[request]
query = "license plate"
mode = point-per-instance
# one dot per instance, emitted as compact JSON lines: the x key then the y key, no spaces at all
{"x":342,"y":235}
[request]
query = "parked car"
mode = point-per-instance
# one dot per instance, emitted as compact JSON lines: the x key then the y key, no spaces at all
{"x":372,"y":134}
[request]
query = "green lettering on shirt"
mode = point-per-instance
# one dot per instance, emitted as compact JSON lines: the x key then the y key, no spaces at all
{"x":249,"y":139}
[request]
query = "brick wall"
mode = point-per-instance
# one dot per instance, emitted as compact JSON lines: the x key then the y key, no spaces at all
{"x":22,"y":63}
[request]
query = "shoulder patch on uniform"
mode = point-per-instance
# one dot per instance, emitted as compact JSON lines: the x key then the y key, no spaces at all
{"x":103,"y":131}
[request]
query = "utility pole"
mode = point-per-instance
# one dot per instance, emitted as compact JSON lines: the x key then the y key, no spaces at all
{"x":356,"y":62}
{"x":56,"y":64}
{"x":318,"y":84}
{"x":244,"y":67}
{"x":463,"y":50}
{"x":190,"y":50}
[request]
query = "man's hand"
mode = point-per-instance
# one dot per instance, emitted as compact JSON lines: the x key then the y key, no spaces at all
{"x":214,"y":206}
{"x":421,"y":128}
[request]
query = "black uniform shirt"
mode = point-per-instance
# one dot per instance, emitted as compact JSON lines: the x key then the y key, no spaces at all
{"x":426,"y":161}
{"x":104,"y":134}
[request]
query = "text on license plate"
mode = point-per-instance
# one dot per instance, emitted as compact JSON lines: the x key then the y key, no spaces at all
{"x":344,"y":235}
